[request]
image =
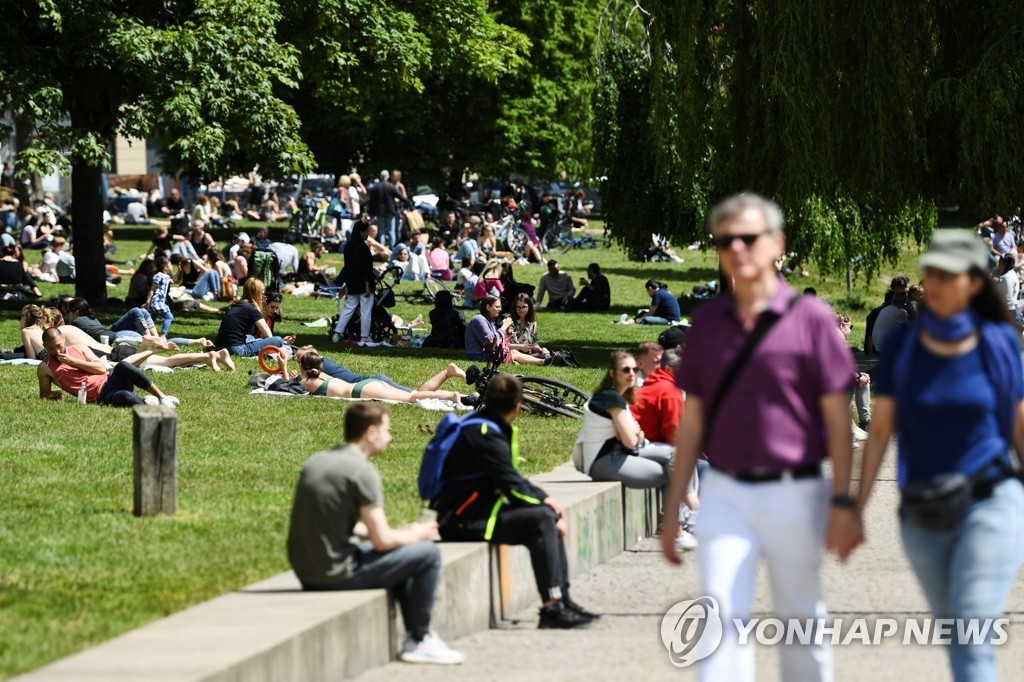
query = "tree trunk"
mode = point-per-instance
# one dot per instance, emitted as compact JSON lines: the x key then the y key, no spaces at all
{"x":86,"y":187}
{"x":29,"y":188}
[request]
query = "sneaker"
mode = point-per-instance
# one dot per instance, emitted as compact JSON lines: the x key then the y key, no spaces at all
{"x":623,"y":318}
{"x":559,"y":616}
{"x":370,"y":343}
{"x":570,"y":604}
{"x":335,"y":337}
{"x":170,"y":401}
{"x":685,"y":541}
{"x":208,"y":296}
{"x":859,"y":434}
{"x":430,"y":649}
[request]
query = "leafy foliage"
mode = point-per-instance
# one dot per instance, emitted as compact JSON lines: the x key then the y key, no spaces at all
{"x":855,"y":116}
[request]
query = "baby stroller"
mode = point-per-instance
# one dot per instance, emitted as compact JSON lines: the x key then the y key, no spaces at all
{"x":381,"y":326}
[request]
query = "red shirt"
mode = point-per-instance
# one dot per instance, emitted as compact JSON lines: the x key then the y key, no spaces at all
{"x":659,"y":406}
{"x":70,"y":378}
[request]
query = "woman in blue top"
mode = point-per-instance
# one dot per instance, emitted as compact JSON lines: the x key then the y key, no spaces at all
{"x":664,"y":307}
{"x":950,"y":385}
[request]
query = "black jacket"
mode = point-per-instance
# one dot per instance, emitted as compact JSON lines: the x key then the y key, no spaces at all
{"x":465,"y":508}
{"x":358,"y":268}
{"x":383,"y":197}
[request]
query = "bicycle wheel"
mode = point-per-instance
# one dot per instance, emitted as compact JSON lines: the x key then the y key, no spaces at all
{"x":553,"y":397}
{"x":516,"y":241}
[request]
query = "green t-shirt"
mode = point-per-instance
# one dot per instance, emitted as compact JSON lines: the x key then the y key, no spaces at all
{"x":332,"y":488}
{"x":607,"y":399}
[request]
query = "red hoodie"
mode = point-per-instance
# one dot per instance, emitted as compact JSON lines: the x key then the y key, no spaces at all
{"x":659,"y":406}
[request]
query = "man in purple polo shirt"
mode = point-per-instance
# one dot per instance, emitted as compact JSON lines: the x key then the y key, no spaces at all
{"x":786,"y":411}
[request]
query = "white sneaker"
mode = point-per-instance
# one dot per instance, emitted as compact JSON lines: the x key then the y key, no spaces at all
{"x":431,"y":649}
{"x":335,"y":337}
{"x":170,"y":401}
{"x":685,"y":541}
{"x":208,"y":296}
{"x":623,"y":318}
{"x":859,"y":434}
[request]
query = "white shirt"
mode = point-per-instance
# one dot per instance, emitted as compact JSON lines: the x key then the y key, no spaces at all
{"x":1009,"y":285}
{"x":136,"y":211}
{"x":888,"y":319}
{"x":353,"y":200}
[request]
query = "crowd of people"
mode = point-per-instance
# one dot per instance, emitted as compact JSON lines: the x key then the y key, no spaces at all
{"x":942,"y":358}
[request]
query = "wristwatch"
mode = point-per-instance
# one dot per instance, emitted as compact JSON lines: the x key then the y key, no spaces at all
{"x":843,"y":501}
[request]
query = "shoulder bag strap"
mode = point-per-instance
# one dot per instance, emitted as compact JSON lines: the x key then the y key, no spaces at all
{"x":764,"y":324}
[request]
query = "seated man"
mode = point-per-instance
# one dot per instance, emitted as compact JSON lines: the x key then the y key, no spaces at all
{"x":648,"y":359}
{"x":559,"y":285}
{"x":72,"y":367}
{"x":339,"y":494}
{"x":336,"y":371}
{"x":485,"y":498}
{"x":595,"y":295}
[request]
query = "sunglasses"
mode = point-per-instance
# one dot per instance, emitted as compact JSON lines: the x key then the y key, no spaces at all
{"x":725,"y":241}
{"x":628,"y":370}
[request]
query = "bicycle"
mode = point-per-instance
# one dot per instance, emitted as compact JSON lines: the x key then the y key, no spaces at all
{"x":541,"y":395}
{"x":561,"y":238}
{"x":508,"y":232}
{"x":309,"y":222}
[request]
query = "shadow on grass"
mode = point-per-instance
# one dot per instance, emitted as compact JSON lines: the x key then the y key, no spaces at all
{"x":663,"y":272}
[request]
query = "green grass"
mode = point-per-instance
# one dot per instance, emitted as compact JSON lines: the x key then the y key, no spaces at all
{"x":76,"y":568}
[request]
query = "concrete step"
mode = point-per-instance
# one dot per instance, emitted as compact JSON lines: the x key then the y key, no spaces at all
{"x":272,"y":631}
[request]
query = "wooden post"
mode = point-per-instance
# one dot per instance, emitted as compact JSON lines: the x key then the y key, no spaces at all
{"x":155,"y":430}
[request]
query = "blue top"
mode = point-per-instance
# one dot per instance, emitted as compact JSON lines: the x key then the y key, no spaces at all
{"x":665,"y":305}
{"x":948,"y":420}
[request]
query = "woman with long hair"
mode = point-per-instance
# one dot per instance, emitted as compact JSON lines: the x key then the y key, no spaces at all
{"x":311,"y":366}
{"x":611,"y":445}
{"x":950,"y":386}
{"x":488,"y":329}
{"x":524,"y":328}
{"x":241,"y":317}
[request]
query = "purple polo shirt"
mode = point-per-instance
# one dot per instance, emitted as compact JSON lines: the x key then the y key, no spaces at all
{"x":771,"y":416}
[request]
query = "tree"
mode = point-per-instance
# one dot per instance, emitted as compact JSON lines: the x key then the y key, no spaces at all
{"x":198,"y":76}
{"x":854,"y":116}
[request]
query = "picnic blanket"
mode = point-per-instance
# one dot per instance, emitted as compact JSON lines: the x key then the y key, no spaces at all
{"x":432,"y":404}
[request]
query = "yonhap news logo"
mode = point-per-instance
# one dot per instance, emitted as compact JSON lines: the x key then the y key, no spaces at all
{"x":691,"y":630}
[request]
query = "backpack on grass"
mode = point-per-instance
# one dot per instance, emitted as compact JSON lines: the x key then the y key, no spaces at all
{"x":438,"y":449}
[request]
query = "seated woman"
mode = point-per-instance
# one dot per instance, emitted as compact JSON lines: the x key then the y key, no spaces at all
{"x":482,"y":333}
{"x":439,"y":261}
{"x":487,"y":242}
{"x":12,"y":272}
{"x":489,"y":282}
{"x":199,"y":282}
{"x":311,"y":372}
{"x":242,"y":318}
{"x":611,"y":445}
{"x":524,"y":328}
{"x":410,"y":264}
{"x":310,"y":269}
{"x":664,"y":307}
{"x":534,"y":251}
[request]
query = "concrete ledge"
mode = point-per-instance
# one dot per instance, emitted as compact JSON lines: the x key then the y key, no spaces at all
{"x":266,"y":632}
{"x":272,"y":631}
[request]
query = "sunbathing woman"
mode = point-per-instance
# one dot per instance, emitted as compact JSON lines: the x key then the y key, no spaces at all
{"x":317,"y":383}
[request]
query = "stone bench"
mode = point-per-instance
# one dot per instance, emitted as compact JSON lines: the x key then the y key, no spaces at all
{"x":272,"y":631}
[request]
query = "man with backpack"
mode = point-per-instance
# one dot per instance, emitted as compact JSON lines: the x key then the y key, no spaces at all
{"x":469,"y":475}
{"x":338,"y":496}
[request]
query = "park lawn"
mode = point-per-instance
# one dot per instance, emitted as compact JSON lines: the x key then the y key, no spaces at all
{"x":76,"y":568}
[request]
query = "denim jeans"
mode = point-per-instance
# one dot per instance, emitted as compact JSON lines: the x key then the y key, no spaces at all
{"x":252,"y":348}
{"x":967,"y":572}
{"x":388,"y":227}
{"x":135,"y":320}
{"x":654,"y":319}
{"x":208,"y":283}
{"x":411,"y":571}
{"x":167,"y":316}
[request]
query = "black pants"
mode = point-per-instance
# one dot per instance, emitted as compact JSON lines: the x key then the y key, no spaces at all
{"x":588,"y":302}
{"x":534,"y":528}
{"x":118,"y":391}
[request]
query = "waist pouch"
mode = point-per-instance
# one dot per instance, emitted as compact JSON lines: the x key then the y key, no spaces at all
{"x":939,"y":503}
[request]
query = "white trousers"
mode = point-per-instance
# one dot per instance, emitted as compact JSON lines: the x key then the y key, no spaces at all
{"x":348,"y":309}
{"x":783,"y":523}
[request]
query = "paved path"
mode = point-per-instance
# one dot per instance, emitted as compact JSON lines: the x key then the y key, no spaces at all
{"x":634,"y":590}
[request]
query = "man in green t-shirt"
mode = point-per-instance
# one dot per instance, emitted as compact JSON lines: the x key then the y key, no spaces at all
{"x":339,"y":495}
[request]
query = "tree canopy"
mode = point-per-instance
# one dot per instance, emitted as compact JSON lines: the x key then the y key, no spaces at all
{"x":856,"y":117}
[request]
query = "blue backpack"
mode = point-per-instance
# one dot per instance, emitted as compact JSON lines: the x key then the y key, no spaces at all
{"x":438,"y":449}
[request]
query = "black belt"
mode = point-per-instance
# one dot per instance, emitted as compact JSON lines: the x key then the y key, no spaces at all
{"x":765,"y":476}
